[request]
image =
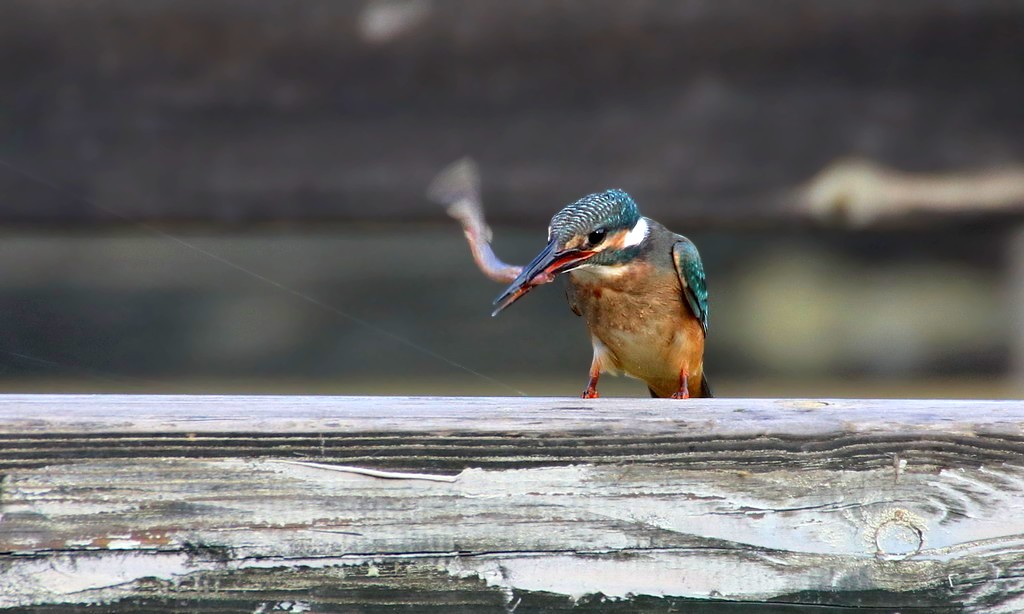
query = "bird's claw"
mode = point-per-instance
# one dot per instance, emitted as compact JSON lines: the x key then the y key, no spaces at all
{"x":684,"y":386}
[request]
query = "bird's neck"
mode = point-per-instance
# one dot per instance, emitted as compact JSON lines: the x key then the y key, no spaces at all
{"x":611,"y":274}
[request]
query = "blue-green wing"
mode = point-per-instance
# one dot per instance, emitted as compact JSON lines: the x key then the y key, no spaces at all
{"x":691,"y":277}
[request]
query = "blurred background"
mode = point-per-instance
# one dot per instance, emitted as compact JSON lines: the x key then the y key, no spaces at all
{"x":228,"y":195}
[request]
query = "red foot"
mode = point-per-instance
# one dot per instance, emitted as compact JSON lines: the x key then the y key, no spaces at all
{"x":684,"y":388}
{"x":595,"y":373}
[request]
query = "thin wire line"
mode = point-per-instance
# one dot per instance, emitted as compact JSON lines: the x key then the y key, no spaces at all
{"x":253,"y":274}
{"x":94,"y":373}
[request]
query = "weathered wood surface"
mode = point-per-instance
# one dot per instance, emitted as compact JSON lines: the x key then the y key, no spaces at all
{"x":548,"y":503}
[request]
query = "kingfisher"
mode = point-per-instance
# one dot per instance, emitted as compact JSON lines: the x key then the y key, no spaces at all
{"x":639,"y":287}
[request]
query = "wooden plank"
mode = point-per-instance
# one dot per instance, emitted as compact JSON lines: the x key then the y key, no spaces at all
{"x":162,"y":499}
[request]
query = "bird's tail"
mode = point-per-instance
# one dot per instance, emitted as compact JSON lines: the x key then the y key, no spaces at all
{"x":705,"y":387}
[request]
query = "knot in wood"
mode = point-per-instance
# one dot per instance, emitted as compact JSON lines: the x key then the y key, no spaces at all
{"x":899,"y":537}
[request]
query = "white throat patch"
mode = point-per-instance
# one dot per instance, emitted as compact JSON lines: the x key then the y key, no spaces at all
{"x":637,"y":234}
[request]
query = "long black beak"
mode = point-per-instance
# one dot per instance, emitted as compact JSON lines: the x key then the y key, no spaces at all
{"x":548,"y":263}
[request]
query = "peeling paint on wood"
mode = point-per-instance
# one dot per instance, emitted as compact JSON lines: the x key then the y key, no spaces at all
{"x":112,"y":498}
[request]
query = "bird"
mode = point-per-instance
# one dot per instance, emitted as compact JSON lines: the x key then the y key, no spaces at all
{"x":640,"y":288}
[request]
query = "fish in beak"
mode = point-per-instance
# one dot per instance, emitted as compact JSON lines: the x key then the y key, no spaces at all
{"x":548,"y":264}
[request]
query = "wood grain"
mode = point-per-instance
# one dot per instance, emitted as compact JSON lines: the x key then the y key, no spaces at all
{"x":156,"y":499}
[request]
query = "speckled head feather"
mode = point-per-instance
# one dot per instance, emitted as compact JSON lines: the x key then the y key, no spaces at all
{"x":611,"y":210}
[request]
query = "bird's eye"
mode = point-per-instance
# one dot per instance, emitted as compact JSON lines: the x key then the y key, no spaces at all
{"x":596,"y":237}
